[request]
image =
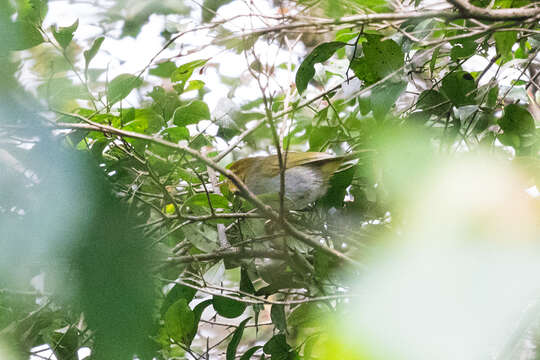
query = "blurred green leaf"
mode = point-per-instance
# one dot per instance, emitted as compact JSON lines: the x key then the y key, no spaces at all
{"x":249,"y":353}
{"x":191,"y":113}
{"x":92,"y":52}
{"x":380,"y":58}
{"x":321,"y":53}
{"x":277,"y":314}
{"x":504,"y":41}
{"x":164,"y":69}
{"x":228,"y":308}
{"x":177,"y":133}
{"x":177,"y":292}
{"x":307,"y":315}
{"x":179,"y":321}
{"x":20,"y":35}
{"x":64,"y":35}
{"x":458,"y":86}
{"x":517,"y":120}
{"x":433,"y":102}
{"x":278,"y":348}
{"x":120,"y":87}
{"x":235,"y":341}
{"x":184,"y":71}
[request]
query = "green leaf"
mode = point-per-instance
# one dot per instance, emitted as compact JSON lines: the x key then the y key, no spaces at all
{"x":33,"y":11}
{"x":214,"y":275}
{"x":210,"y":9}
{"x":458,"y":87}
{"x":321,"y":53}
{"x":433,"y":60}
{"x":145,"y":121}
{"x":64,"y":35}
{"x":194,"y":85}
{"x":227,"y":307}
{"x":307,"y":315}
{"x":120,"y":87}
{"x":164,"y":69}
{"x":504,"y":40}
{"x":191,"y":113}
{"x":184,"y":72}
{"x":374,"y":5}
{"x":384,"y":96}
{"x":278,"y":348}
{"x":179,"y":321}
{"x":277,"y":314}
{"x":433,"y":102}
{"x":380,"y":59}
{"x":320,"y":136}
{"x":197,"y":312}
{"x":237,"y":336}
{"x":198,"y":201}
{"x":177,"y":292}
{"x":177,"y":133}
{"x":20,"y":35}
{"x":91,"y":53}
{"x":463,"y":49}
{"x":309,"y":345}
{"x":248,"y":354}
{"x":516,"y":120}
{"x":245,"y":282}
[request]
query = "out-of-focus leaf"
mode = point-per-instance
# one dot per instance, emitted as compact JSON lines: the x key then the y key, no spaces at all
{"x":191,"y":113}
{"x":121,"y":86}
{"x":198,"y":201}
{"x":374,"y":5}
{"x":214,"y":275}
{"x":197,"y":312}
{"x":194,"y":85}
{"x":504,"y":40}
{"x":463,"y":49}
{"x":20,"y":35}
{"x":235,"y":341}
{"x":458,"y":87}
{"x":177,"y":292}
{"x":249,"y":353}
{"x":184,"y":72}
{"x":307,"y":315}
{"x":516,"y":119}
{"x":433,"y":102}
{"x":64,"y":35}
{"x":164,"y":69}
{"x":245,"y":282}
{"x":384,"y":96}
{"x":179,"y":321}
{"x":321,"y":53}
{"x":320,"y":136}
{"x":380,"y":59}
{"x":92,"y":52}
{"x":210,"y":8}
{"x":278,"y":348}
{"x":277,"y":314}
{"x":177,"y":133}
{"x":228,"y":308}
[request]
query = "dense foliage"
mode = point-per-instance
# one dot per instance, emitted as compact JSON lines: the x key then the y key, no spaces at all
{"x":118,"y":234}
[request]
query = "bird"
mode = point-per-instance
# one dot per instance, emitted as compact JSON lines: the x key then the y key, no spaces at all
{"x":307,"y":175}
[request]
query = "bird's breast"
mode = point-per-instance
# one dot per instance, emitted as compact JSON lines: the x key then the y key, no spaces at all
{"x":303,"y":184}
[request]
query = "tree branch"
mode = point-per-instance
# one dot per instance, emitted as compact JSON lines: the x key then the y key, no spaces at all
{"x":468,"y":10}
{"x":244,"y":190}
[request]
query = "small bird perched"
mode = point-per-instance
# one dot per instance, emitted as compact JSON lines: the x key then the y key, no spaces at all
{"x":306,"y":175}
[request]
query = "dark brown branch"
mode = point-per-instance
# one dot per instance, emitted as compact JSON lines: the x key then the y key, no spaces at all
{"x":468,"y":10}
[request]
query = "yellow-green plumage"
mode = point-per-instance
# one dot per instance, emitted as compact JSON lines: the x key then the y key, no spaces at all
{"x":306,"y":175}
